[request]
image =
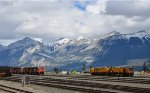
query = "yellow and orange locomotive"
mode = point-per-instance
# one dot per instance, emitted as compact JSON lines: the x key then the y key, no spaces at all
{"x":112,"y":71}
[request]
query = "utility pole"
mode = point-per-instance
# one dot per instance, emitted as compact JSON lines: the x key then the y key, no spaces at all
{"x":46,"y":67}
{"x":144,"y":67}
{"x":83,"y":68}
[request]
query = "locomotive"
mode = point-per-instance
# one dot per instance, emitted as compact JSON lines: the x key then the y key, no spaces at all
{"x":112,"y":71}
{"x":8,"y":71}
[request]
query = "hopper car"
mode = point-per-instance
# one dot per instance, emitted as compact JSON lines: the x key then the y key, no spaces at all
{"x":112,"y":71}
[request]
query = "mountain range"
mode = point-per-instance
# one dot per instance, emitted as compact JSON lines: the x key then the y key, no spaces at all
{"x":111,"y":49}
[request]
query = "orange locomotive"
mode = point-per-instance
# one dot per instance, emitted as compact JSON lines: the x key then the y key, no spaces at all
{"x":112,"y":71}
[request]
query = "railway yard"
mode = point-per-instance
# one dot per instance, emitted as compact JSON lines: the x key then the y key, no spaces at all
{"x":81,"y":83}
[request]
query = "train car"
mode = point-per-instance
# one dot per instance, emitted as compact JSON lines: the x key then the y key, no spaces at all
{"x":128,"y":72}
{"x":34,"y":70}
{"x":40,"y":70}
{"x":5,"y":71}
{"x":112,"y":71}
{"x":28,"y":70}
{"x":8,"y":71}
{"x":16,"y":70}
{"x":99,"y":71}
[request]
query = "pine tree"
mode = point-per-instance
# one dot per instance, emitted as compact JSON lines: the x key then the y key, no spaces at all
{"x":83,"y":67}
{"x":56,"y":70}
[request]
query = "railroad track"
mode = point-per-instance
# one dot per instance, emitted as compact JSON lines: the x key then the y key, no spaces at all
{"x":56,"y":84}
{"x":12,"y":90}
{"x":127,"y":80}
{"x":82,"y":85}
{"x":98,"y":85}
{"x":138,"y":80}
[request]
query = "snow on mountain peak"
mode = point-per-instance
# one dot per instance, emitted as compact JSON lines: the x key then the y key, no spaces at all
{"x":38,"y":39}
{"x":62,"y":41}
{"x":81,"y":38}
{"x":142,"y":33}
{"x":139,"y":34}
{"x":113,"y":33}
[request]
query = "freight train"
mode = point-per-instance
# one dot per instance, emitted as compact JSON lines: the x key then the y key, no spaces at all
{"x":5,"y":71}
{"x":8,"y":71}
{"x":112,"y":71}
{"x":28,"y":70}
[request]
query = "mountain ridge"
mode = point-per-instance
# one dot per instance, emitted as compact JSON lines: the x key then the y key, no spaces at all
{"x":113,"y":49}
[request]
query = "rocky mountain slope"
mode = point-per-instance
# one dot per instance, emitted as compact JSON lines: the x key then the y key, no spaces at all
{"x":112,"y":49}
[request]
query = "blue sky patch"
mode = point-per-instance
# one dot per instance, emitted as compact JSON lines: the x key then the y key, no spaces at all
{"x":79,"y":5}
{"x":83,"y":4}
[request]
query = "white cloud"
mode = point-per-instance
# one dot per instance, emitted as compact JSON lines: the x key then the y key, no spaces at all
{"x":6,"y":42}
{"x":128,"y":7}
{"x":53,"y":19}
{"x":98,"y":8}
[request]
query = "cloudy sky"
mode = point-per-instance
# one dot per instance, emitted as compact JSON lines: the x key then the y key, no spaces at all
{"x":54,"y":19}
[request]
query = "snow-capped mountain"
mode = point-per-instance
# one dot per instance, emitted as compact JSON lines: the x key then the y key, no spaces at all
{"x":140,"y":34}
{"x":112,"y":49}
{"x":24,"y":43}
{"x":118,"y":49}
